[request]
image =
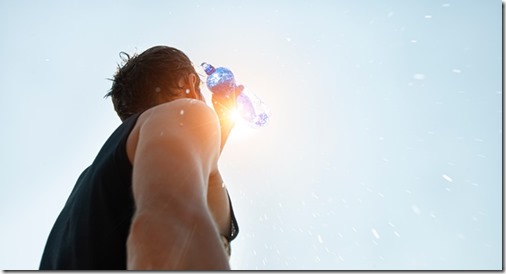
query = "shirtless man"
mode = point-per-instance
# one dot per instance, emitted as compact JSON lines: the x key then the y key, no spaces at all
{"x":153,"y":198}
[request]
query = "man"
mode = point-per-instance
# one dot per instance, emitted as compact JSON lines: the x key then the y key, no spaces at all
{"x":153,"y":198}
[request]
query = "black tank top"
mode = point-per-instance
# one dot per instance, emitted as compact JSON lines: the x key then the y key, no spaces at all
{"x":92,"y":229}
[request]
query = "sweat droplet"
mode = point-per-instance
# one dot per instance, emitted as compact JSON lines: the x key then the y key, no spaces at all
{"x":181,"y":124}
{"x":187,"y":91}
{"x":181,"y":112}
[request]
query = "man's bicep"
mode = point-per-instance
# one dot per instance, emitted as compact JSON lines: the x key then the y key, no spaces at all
{"x":164,"y":174}
{"x":174,"y":157}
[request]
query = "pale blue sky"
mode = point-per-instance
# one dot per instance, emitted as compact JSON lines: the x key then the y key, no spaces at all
{"x":384,"y":147}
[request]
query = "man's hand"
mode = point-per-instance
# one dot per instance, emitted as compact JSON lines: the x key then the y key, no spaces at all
{"x":224,"y":107}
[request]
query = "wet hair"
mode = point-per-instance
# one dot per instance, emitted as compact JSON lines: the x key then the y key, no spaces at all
{"x":149,"y":79}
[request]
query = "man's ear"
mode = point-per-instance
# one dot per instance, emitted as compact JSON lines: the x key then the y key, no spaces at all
{"x":190,"y":88}
{"x":192,"y":79}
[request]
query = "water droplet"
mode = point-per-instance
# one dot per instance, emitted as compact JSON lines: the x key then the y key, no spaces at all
{"x":419,"y":76}
{"x":375,"y":233}
{"x":397,"y":234}
{"x":428,"y":16}
{"x":447,"y":178}
{"x":320,"y":239}
{"x":416,"y":210}
{"x":456,"y":70}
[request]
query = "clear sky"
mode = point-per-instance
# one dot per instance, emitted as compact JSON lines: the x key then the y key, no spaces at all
{"x":384,"y":148}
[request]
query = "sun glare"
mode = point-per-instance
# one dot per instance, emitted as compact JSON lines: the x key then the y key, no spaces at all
{"x":241,"y":128}
{"x":235,"y":116}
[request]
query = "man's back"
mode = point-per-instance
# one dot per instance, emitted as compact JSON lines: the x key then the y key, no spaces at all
{"x":91,"y":230}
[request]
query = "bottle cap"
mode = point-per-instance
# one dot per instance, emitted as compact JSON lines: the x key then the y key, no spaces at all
{"x":209,"y":69}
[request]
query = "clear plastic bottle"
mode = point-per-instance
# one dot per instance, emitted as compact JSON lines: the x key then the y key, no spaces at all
{"x":221,"y":81}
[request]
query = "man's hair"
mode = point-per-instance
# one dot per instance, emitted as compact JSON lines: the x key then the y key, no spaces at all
{"x":149,"y":79}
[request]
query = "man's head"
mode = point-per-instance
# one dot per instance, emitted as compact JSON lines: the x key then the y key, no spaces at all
{"x":158,"y":75}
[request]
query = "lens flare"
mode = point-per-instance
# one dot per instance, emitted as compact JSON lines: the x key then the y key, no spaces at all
{"x":235,"y":116}
{"x":242,"y":129}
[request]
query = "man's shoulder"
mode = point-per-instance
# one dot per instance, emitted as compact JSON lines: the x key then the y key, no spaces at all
{"x":191,"y":119}
{"x":190,"y":110}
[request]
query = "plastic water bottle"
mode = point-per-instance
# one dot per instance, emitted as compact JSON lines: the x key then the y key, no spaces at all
{"x":221,"y":81}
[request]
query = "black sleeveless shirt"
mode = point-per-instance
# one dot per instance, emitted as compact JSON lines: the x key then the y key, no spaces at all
{"x":92,"y":229}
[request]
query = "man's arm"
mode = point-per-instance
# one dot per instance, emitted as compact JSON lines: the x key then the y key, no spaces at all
{"x":177,"y":150}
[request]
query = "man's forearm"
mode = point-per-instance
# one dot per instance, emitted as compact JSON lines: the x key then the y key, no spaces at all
{"x":226,"y":125}
{"x":226,"y":122}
